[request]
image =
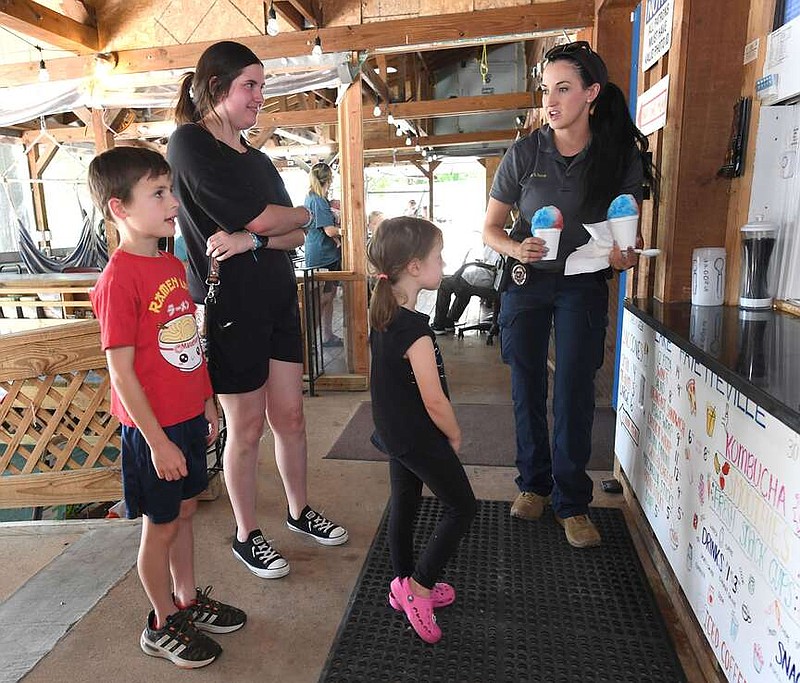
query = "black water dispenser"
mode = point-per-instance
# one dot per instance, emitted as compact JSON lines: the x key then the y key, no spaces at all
{"x":758,"y":243}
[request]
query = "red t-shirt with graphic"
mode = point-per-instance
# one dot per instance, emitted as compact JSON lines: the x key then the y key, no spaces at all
{"x":144,"y":302}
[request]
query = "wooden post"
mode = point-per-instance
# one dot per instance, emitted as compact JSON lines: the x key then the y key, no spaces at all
{"x":104,"y":140}
{"x":351,"y":150}
{"x":39,"y":157}
{"x":491,"y":164}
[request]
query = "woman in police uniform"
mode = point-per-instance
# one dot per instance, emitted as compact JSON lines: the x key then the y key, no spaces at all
{"x":588,"y":153}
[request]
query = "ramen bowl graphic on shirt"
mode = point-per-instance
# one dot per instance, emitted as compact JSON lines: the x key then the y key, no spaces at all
{"x":179,"y":343}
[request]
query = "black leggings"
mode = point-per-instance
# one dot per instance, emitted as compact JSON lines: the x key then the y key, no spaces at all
{"x":438,"y":467}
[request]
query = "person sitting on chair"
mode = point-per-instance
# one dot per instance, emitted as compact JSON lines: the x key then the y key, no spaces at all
{"x":473,"y":278}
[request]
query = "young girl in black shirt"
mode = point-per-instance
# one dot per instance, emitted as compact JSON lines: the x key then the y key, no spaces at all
{"x":414,"y":420}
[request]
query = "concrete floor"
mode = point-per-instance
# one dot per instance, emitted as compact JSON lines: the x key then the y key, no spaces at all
{"x":292,"y":621}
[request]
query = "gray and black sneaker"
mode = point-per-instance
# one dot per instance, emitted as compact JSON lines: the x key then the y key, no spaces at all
{"x":179,"y":642}
{"x":214,"y":616}
{"x":322,"y":530}
{"x":260,"y":557}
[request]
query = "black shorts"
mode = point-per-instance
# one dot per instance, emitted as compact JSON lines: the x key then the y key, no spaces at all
{"x":331,"y":285}
{"x":144,"y":492}
{"x":239,"y":351}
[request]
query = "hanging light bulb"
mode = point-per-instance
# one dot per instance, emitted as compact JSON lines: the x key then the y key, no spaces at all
{"x":390,"y":119}
{"x":377,"y":111}
{"x":399,"y":132}
{"x":408,"y":141}
{"x":316,"y":51}
{"x":44,"y":75}
{"x":272,"y":21}
{"x":417,"y":148}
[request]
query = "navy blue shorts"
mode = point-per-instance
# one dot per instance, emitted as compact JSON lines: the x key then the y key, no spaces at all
{"x":159,"y":499}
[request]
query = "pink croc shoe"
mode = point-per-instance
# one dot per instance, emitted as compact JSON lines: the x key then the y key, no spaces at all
{"x":419,"y":610}
{"x":442,"y":594}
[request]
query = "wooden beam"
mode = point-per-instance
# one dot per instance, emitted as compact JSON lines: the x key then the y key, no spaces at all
{"x":449,"y":140}
{"x":455,"y":106}
{"x":375,"y":82}
{"x":462,"y":106}
{"x":306,"y":9}
{"x":290,"y":15}
{"x":45,"y":25}
{"x":57,"y":488}
{"x":489,"y":26}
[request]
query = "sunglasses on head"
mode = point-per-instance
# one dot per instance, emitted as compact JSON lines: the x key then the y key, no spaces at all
{"x":568,"y":49}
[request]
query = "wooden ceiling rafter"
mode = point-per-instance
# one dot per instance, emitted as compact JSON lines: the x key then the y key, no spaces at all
{"x":398,"y":35}
{"x":48,"y":26}
{"x":287,"y":12}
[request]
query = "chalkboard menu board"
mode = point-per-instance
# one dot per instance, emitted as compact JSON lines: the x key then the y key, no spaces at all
{"x":719,"y":481}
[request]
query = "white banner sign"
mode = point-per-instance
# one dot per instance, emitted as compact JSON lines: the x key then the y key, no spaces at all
{"x":651,"y":107}
{"x":657,"y":31}
{"x":717,"y":477}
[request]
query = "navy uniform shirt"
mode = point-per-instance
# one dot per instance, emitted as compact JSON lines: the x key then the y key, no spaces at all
{"x":533,"y":174}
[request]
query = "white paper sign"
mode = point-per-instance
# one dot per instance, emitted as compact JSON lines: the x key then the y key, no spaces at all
{"x":651,"y":107}
{"x":717,"y":477}
{"x":751,"y":51}
{"x":657,"y":31}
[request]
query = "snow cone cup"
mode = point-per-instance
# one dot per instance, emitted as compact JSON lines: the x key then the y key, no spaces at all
{"x":551,"y":237}
{"x":624,"y":230}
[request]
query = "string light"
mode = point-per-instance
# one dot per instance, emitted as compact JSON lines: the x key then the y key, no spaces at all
{"x":316,"y":51}
{"x":408,"y":141}
{"x":44,"y":74}
{"x":376,"y":112}
{"x":105,"y":63}
{"x":272,"y":21}
{"x":417,"y":148}
{"x":390,"y":120}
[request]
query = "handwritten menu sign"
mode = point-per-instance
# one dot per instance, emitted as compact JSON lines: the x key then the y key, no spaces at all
{"x":718,"y":479}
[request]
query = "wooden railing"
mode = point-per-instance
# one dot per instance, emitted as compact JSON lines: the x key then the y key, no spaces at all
{"x":59,"y":442}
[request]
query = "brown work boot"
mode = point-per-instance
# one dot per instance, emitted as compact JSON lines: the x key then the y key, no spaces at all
{"x":529,"y":505}
{"x":580,"y":530}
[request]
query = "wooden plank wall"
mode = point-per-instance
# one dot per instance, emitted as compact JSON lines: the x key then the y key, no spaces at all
{"x":759,"y":24}
{"x":705,"y":69}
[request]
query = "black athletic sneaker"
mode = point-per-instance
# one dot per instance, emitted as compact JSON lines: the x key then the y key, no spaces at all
{"x":213,"y":616}
{"x":313,"y":524}
{"x":179,"y":642}
{"x":260,"y":557}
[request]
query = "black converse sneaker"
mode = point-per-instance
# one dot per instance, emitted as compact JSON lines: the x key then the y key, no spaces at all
{"x":313,"y":524}
{"x":213,"y":616}
{"x":179,"y":642}
{"x":260,"y":557}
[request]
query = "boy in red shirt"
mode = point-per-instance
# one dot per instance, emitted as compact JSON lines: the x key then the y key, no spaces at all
{"x":161,"y":393}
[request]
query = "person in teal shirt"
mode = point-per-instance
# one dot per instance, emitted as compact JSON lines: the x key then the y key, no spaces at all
{"x":323,"y":244}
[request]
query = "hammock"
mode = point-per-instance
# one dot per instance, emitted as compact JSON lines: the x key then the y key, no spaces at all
{"x":91,"y":251}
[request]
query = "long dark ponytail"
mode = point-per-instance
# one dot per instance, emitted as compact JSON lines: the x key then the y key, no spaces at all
{"x":614,"y":134}
{"x":216,"y":69}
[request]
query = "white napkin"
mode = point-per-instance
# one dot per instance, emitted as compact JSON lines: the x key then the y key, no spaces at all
{"x":593,"y":255}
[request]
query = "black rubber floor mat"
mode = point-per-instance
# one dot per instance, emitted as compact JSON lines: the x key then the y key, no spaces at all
{"x":529,"y":607}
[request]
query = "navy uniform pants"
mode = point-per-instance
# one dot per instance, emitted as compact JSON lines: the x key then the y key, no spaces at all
{"x":577,"y":308}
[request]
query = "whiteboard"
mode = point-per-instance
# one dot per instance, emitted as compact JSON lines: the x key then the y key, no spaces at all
{"x":717,"y":477}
